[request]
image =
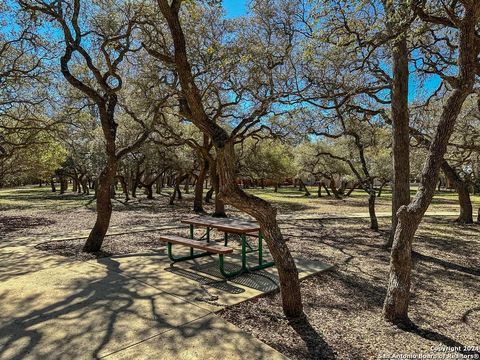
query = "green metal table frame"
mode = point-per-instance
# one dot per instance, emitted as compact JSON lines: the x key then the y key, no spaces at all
{"x":262,"y":264}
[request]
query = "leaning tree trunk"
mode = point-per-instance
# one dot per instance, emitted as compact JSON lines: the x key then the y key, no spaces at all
{"x":231,"y":193}
{"x":395,"y":307}
{"x":400,"y":133}
{"x":354,"y":186}
{"x":304,"y":188}
{"x":266,"y":215}
{"x":104,"y":206}
{"x":326,"y":190}
{"x":333,"y":187}
{"x":466,"y":210}
{"x":380,"y":189}
{"x":202,"y":175}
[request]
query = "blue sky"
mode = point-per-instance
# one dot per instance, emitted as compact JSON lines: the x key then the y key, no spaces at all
{"x":235,"y":7}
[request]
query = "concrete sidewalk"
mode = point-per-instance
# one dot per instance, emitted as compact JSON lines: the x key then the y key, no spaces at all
{"x":55,"y":308}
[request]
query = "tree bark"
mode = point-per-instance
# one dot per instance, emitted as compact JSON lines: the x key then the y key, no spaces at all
{"x":354,"y":186}
{"x":215,"y":179}
{"x":326,"y":190}
{"x":396,"y":303}
{"x":209,"y":195}
{"x":371,"y":211}
{"x":84,"y":183}
{"x":266,"y":215}
{"x":63,"y":185}
{"x":176,"y":189}
{"x":400,"y":132}
{"x":124,"y":185}
{"x":380,"y":189}
{"x":304,"y":187}
{"x":104,"y":207}
{"x":149,"y":191}
{"x":202,"y":175}
{"x":334,"y":189}
{"x":466,"y":210}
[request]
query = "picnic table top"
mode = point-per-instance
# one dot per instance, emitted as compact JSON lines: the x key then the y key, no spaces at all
{"x":224,"y":224}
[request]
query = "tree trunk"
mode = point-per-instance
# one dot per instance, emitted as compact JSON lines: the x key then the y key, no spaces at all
{"x":319,"y":191}
{"x":215,"y":179}
{"x":113,"y":191}
{"x":260,"y":209}
{"x":326,"y":189}
{"x":52,"y":184}
{"x":304,"y":187}
{"x":354,"y":186}
{"x":275,"y":187}
{"x":179,"y":192}
{"x":136,"y":182}
{"x":209,"y":195}
{"x":334,"y":189}
{"x":63,"y":185}
{"x":371,"y":211}
{"x":266,"y":215}
{"x":380,"y":189}
{"x":149,"y":190}
{"x":466,"y":210}
{"x":395,"y":307}
{"x":396,"y":302}
{"x":84,"y":183}
{"x":219,"y":206}
{"x":186,"y":188}
{"x":400,"y":132}
{"x":104,"y":207}
{"x":198,"y":200}
{"x":75,"y":185}
{"x":176,"y":189}
{"x":124,"y":185}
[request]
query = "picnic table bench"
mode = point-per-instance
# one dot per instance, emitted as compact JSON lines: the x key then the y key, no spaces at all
{"x":228,"y":226}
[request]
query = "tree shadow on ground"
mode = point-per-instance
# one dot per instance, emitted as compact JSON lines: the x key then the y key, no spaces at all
{"x":109,"y":297}
{"x":317,"y":347}
{"x":9,"y":224}
{"x":446,"y":264}
{"x":98,"y":315}
{"x":439,"y":338}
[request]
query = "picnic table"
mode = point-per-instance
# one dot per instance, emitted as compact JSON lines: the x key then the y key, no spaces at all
{"x":229,"y":226}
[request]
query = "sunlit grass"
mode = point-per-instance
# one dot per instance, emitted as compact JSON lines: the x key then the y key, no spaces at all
{"x":287,"y":199}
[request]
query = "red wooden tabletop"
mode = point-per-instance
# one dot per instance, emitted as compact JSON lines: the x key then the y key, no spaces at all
{"x":224,"y":224}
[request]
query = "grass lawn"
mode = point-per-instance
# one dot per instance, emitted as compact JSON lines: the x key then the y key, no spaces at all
{"x":343,"y":305}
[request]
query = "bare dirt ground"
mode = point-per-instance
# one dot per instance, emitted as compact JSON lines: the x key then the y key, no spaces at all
{"x":343,"y":306}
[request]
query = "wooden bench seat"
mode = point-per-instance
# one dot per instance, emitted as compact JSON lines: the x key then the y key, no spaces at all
{"x":211,"y":247}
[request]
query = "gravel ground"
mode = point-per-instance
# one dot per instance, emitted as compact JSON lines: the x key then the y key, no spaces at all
{"x":343,"y":306}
